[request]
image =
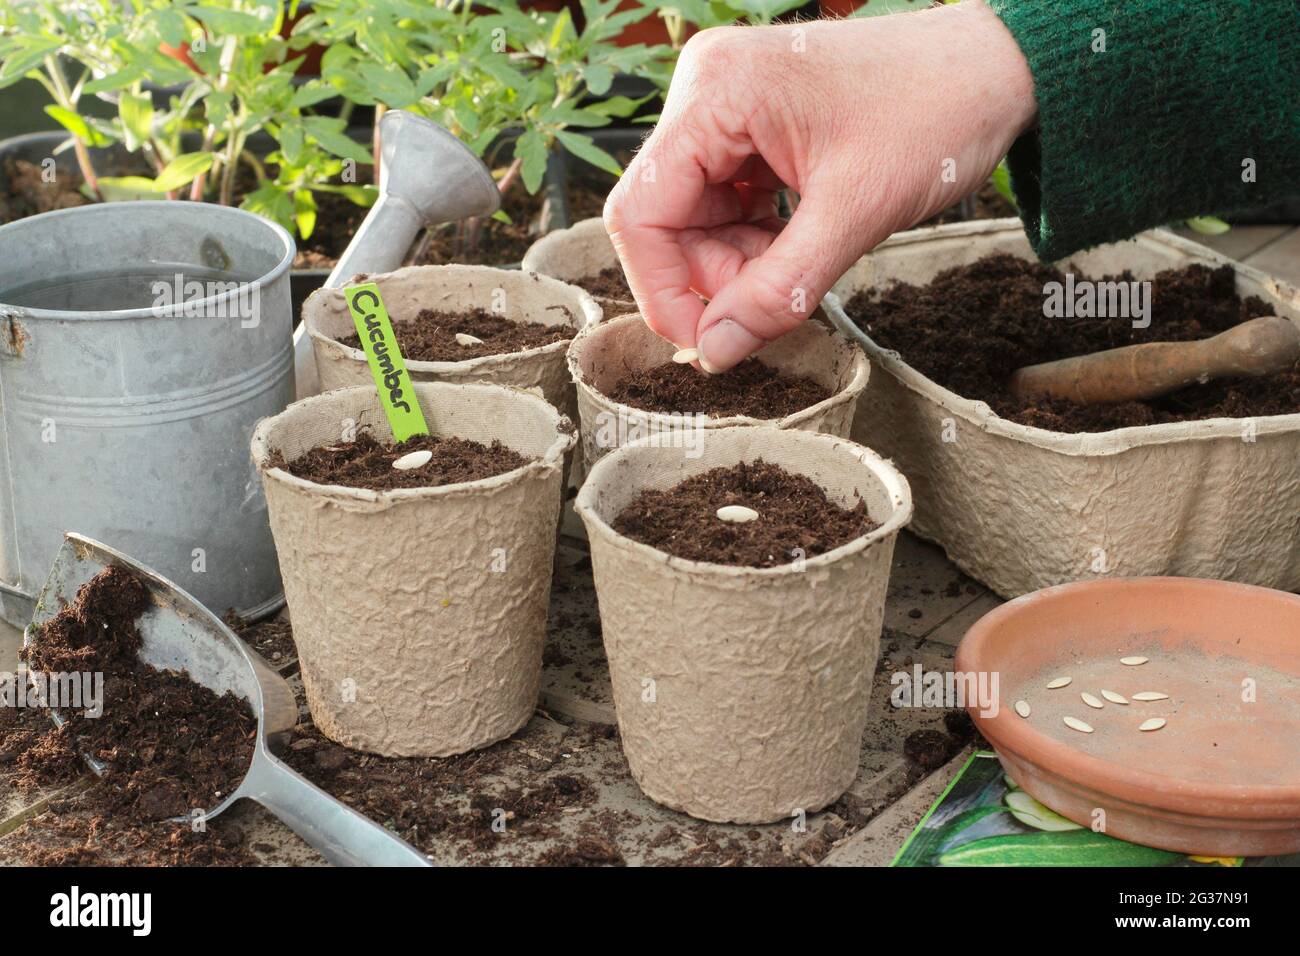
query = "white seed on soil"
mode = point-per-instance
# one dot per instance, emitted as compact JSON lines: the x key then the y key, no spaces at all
{"x":464,"y":338}
{"x":1091,"y":701}
{"x":414,"y":460}
{"x":737,"y":514}
{"x":686,"y":356}
{"x":1022,"y":708}
{"x":1074,"y":723}
{"x":1132,"y":661}
{"x":1150,"y":695}
{"x":1155,"y":723}
{"x":1058,"y":682}
{"x":1113,"y":697}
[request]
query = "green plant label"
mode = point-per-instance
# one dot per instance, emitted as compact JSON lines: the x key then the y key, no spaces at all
{"x":396,"y":391}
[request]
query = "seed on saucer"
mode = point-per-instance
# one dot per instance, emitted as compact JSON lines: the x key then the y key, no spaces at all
{"x":1150,"y":695}
{"x":464,"y":338}
{"x":737,"y":514}
{"x":1075,"y":723}
{"x":1132,"y":661}
{"x":1155,"y":723}
{"x":1091,"y":701}
{"x":686,"y":356}
{"x":1113,"y":697}
{"x":1022,"y":708}
{"x":1058,"y":682}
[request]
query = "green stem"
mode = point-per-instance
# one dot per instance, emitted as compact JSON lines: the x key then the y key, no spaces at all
{"x":226,"y":63}
{"x":512,"y":171}
{"x":258,"y":169}
{"x":676,"y":26}
{"x":375,"y":144}
{"x":234,"y":147}
{"x":63,"y":96}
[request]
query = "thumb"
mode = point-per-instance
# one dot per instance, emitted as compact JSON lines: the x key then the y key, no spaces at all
{"x":775,"y":291}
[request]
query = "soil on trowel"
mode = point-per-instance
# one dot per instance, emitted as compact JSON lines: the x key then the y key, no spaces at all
{"x":751,"y":388}
{"x":170,"y":746}
{"x":608,"y":286}
{"x":974,"y":325}
{"x":431,"y":335}
{"x":366,"y":462}
{"x":794,"y":513}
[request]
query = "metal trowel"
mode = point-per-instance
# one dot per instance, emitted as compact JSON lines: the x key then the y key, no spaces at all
{"x":181,"y":634}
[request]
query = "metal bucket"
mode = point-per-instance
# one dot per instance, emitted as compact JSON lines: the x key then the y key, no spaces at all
{"x":129,"y":395}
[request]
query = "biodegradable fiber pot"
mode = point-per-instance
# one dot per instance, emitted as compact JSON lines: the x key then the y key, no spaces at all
{"x":742,"y":693}
{"x":519,"y":296}
{"x":419,"y":614}
{"x":1024,"y":508}
{"x":582,"y":250}
{"x":602,"y":354}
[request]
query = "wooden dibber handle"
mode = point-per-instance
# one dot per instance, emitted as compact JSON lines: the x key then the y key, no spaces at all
{"x":1255,"y":348}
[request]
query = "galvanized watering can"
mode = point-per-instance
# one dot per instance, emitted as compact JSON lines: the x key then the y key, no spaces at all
{"x":140,"y":343}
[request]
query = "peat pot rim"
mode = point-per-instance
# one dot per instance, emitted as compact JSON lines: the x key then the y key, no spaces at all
{"x":557,"y":240}
{"x":240,"y":218}
{"x":842,"y":395}
{"x":427,"y":392}
{"x":890,"y":478}
{"x":1009,"y":733}
{"x":1082,"y":444}
{"x":591,"y":314}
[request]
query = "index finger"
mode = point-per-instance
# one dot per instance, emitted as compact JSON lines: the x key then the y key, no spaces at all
{"x":660,"y":195}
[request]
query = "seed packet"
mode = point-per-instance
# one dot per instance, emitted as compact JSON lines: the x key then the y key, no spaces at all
{"x":984,"y":819}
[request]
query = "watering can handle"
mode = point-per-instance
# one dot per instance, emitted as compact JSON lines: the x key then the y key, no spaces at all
{"x":343,"y":836}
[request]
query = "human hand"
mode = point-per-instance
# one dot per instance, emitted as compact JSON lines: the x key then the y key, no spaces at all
{"x":876,"y":123}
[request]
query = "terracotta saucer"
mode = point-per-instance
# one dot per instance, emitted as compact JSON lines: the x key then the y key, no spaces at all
{"x":1221,"y":778}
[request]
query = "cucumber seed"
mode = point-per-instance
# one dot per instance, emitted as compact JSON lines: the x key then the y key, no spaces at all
{"x":415,"y":459}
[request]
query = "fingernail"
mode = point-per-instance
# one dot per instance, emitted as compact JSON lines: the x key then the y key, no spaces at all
{"x":724,"y":344}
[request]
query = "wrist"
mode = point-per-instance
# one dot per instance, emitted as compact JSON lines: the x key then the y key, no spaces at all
{"x":998,"y":62}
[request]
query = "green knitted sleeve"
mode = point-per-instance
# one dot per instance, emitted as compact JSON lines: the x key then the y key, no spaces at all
{"x":1152,"y":111}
